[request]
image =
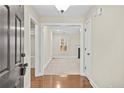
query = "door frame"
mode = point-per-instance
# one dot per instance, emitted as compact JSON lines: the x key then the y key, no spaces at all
{"x":37,"y":49}
{"x":85,"y":23}
{"x":81,"y":44}
{"x":27,"y":42}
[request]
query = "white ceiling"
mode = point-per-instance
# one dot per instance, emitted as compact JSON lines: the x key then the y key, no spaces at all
{"x":68,"y":29}
{"x":51,"y":10}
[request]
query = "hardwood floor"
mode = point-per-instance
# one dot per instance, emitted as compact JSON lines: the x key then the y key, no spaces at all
{"x":59,"y":81}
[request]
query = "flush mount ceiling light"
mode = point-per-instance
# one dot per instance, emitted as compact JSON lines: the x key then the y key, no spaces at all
{"x":62,"y":8}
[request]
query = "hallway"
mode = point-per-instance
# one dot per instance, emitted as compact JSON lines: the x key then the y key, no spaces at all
{"x":65,"y":66}
{"x":44,"y":46}
{"x":59,"y":81}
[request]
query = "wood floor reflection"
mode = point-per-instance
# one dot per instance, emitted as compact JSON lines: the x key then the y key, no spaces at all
{"x":59,"y":81}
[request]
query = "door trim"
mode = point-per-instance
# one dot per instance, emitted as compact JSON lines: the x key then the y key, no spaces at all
{"x":85,"y":23}
{"x":37,"y":49}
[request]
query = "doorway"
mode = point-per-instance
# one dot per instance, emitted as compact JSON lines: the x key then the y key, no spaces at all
{"x":50,"y":57}
{"x":61,"y":49}
{"x":59,"y":68}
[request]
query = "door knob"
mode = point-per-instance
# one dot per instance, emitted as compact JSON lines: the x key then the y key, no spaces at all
{"x":23,"y":69}
{"x":25,"y":65}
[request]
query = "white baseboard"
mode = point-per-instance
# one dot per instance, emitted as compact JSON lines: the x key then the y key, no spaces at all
{"x":92,"y":82}
{"x":82,"y":74}
{"x":39,"y":74}
{"x":47,"y":63}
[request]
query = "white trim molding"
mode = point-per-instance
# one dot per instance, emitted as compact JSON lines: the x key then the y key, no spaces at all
{"x":92,"y":82}
{"x":49,"y":24}
{"x":47,"y":63}
{"x":39,"y":74}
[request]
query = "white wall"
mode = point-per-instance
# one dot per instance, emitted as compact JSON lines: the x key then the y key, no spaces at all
{"x":28,"y":11}
{"x":47,"y":43}
{"x":108,"y":46}
{"x":61,"y":19}
{"x":72,"y":39}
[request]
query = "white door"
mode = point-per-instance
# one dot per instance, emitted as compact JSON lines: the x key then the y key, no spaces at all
{"x":87,"y":47}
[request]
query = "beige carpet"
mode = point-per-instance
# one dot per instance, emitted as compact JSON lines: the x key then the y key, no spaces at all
{"x":63,"y":67}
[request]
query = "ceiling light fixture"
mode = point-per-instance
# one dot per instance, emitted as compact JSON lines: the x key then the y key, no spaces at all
{"x":62,"y":8}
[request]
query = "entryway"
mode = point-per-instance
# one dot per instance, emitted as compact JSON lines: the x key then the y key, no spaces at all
{"x":62,"y":53}
{"x":61,"y":49}
{"x":59,"y":53}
